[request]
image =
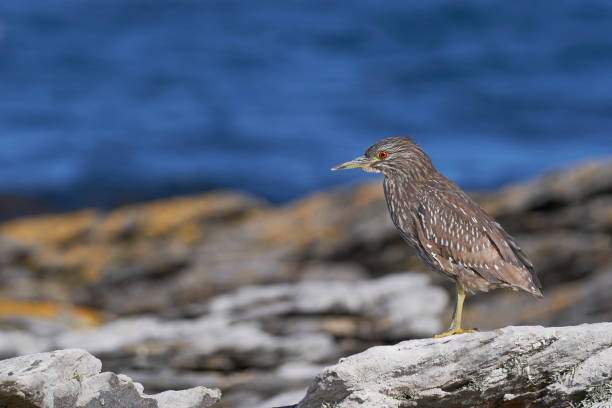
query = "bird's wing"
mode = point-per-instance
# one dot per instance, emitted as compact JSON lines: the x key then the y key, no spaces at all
{"x":454,"y":230}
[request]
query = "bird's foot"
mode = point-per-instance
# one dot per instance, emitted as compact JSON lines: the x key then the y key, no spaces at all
{"x":453,"y":332}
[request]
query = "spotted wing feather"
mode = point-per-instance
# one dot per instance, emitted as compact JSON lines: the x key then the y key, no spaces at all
{"x":468,"y":244}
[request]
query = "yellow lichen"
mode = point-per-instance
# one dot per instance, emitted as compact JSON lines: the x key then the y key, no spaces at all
{"x":55,"y":230}
{"x":78,"y":316}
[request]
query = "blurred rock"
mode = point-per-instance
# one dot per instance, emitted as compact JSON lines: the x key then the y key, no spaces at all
{"x":17,"y":343}
{"x":329,"y":271}
{"x":62,"y":314}
{"x":392,"y":307}
{"x":72,"y":378}
{"x":570,"y":303}
{"x":256,"y":340}
{"x":511,"y":367}
{"x":163,"y":256}
{"x":567,"y":255}
{"x":209,"y":343}
{"x":554,"y":190}
{"x":228,"y":290}
{"x":77,"y":257}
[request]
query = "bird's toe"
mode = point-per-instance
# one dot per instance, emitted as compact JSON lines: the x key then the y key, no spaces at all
{"x":453,"y":332}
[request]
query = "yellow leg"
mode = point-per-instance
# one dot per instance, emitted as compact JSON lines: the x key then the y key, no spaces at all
{"x":455,"y":326}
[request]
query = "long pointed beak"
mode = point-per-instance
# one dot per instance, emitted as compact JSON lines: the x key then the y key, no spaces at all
{"x":358,"y":163}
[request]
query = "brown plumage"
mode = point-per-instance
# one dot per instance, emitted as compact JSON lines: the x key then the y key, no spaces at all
{"x":450,"y":233}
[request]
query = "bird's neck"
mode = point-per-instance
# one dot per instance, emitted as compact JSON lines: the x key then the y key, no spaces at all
{"x":410,"y":179}
{"x":402,"y":202}
{"x":400,"y":190}
{"x":402,"y":184}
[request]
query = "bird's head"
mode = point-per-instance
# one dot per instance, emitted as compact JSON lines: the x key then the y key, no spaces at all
{"x":390,"y":156}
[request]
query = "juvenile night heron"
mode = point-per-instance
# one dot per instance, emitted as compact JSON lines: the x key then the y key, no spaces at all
{"x":450,"y":233}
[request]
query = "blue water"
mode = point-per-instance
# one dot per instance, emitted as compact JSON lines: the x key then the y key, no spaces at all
{"x":110,"y":101}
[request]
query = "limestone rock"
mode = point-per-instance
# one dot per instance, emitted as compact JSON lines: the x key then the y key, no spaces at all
{"x":529,"y":366}
{"x":72,"y":379}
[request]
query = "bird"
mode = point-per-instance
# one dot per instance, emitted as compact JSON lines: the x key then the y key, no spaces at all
{"x":450,"y":233}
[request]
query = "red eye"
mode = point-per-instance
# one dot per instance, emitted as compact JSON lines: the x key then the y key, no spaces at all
{"x":382,"y":154}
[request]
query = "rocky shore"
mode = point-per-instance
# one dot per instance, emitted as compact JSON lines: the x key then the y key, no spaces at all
{"x":528,"y":366}
{"x":227,"y":291}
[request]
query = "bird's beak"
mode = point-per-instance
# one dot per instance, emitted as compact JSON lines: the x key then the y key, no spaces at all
{"x":358,"y":163}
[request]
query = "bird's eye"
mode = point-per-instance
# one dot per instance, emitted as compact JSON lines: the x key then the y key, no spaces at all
{"x":382,"y":154}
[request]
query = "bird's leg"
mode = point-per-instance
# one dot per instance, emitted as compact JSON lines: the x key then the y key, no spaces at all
{"x":455,"y":326}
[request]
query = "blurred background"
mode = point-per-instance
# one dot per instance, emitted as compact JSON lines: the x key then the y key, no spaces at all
{"x":254,"y":266}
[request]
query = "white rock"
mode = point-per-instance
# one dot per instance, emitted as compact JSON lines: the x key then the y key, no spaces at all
{"x":72,"y":379}
{"x":533,"y":365}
